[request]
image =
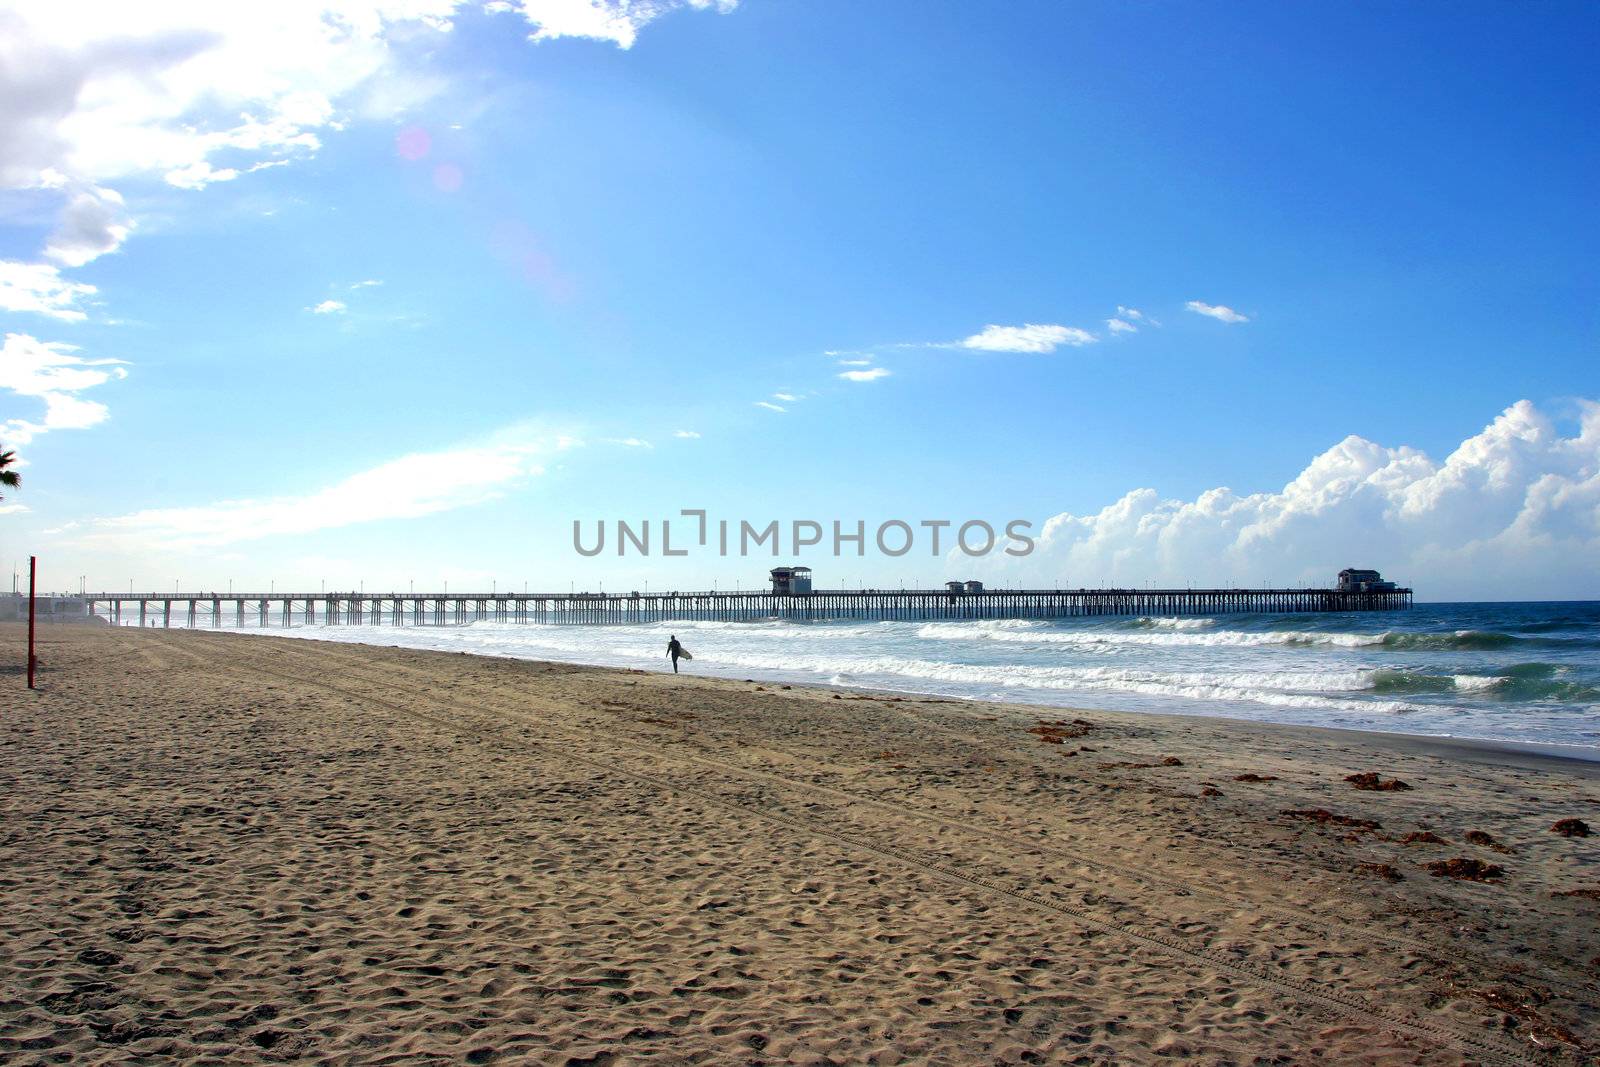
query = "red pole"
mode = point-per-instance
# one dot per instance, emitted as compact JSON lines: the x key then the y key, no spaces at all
{"x":33,"y":569}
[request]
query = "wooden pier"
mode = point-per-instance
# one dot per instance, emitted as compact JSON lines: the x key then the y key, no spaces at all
{"x":264,"y":610}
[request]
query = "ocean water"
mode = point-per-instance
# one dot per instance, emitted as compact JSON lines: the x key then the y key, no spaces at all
{"x":1504,"y":672}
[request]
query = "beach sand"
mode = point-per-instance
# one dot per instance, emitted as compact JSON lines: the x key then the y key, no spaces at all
{"x":246,"y":849}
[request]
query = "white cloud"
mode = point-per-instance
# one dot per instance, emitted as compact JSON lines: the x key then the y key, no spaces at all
{"x":194,"y":92}
{"x":199,"y":174}
{"x":1121,"y":326}
{"x":328,"y":307}
{"x":107,"y":91}
{"x":1512,"y":513}
{"x":93,"y":223}
{"x":12,"y":509}
{"x":411,"y":486}
{"x":855,"y":363}
{"x":865,"y":375}
{"x":368,"y":284}
{"x":618,"y":21}
{"x":770,"y":406}
{"x":629,"y":442}
{"x":1135,"y":315}
{"x":687,"y":435}
{"x":787,"y":397}
{"x":52,"y":373}
{"x":1029,"y":338}
{"x":39,"y":288}
{"x":1216,"y":311}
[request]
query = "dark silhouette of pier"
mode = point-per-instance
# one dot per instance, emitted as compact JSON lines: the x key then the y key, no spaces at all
{"x":263,"y":610}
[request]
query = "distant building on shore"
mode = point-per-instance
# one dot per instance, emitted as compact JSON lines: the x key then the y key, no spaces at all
{"x":14,"y":608}
{"x":790,"y":581}
{"x":1355,"y":580}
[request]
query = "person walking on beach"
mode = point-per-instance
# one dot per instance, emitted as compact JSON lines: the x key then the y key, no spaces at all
{"x":674,"y":650}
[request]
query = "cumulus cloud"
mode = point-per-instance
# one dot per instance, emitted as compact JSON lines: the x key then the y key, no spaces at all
{"x":328,"y":307}
{"x":1216,"y":311}
{"x":1030,"y":338}
{"x":1121,"y":326}
{"x":423,"y":483}
{"x":40,"y":288}
{"x":52,"y":373}
{"x":865,"y":375}
{"x":1512,"y":513}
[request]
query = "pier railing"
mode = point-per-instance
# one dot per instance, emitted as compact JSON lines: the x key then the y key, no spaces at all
{"x":262,"y":610}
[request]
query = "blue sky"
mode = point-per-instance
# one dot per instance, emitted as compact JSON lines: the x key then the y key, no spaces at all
{"x":644,"y":221}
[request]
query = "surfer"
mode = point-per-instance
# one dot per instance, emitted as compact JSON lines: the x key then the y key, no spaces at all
{"x":675,"y":650}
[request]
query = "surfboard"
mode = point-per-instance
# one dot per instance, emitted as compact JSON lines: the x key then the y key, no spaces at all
{"x":683,"y":653}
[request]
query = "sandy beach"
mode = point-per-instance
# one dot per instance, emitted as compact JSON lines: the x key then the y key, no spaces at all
{"x":247,"y":849}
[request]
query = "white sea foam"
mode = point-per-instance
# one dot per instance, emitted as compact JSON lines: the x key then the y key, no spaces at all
{"x":1179,"y":624}
{"x":1086,"y":638}
{"x":1476,"y":683}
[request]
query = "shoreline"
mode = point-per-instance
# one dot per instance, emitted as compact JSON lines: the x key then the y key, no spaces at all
{"x":1583,"y":759}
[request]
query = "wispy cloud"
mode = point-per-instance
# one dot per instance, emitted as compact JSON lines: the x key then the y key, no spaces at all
{"x":1135,"y":315}
{"x":617,"y":21}
{"x":1121,"y":326}
{"x":201,"y":173}
{"x":855,"y":362}
{"x":687,"y":435}
{"x":1216,"y":311}
{"x":865,"y":375}
{"x":328,"y":307}
{"x":368,"y":284}
{"x":786,"y":397}
{"x":770,"y":406}
{"x":52,"y":373}
{"x":39,"y":288}
{"x":628,"y":442}
{"x":422,"y":483}
{"x":1030,"y":338}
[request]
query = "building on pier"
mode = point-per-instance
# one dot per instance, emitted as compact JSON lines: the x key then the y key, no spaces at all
{"x":791,"y":581}
{"x":1355,"y":580}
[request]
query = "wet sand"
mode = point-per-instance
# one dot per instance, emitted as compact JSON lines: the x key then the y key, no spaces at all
{"x":247,"y":849}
